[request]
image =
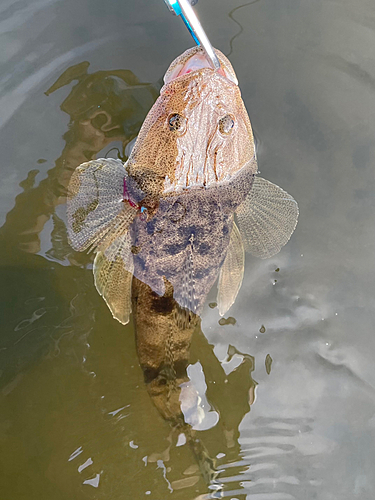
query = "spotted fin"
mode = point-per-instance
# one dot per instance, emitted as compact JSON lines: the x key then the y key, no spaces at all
{"x":266,"y":219}
{"x":231,"y":272}
{"x":97,"y":214}
{"x":113,"y":274}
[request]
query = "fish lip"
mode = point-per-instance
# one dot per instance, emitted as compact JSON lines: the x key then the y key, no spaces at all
{"x":195,"y":65}
{"x":202,"y":72}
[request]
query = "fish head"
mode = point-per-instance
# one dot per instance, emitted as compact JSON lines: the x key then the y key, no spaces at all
{"x":197,"y":134}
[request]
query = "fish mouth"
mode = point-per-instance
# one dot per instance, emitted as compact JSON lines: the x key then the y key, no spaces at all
{"x":197,"y":62}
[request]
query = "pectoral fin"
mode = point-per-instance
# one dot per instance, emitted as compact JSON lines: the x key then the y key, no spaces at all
{"x":266,"y":219}
{"x":113,"y":274}
{"x":231,"y":272}
{"x":97,"y":214}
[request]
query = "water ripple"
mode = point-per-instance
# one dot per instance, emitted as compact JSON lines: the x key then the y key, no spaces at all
{"x":276,"y":455}
{"x":21,"y":16}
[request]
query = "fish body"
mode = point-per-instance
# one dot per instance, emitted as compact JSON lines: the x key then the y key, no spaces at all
{"x":178,"y":215}
{"x":186,"y":241}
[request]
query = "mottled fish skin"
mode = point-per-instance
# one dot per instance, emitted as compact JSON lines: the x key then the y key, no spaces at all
{"x":185,"y":242}
{"x":192,"y":183}
{"x":179,"y":249}
{"x":192,"y":180}
{"x":191,"y":168}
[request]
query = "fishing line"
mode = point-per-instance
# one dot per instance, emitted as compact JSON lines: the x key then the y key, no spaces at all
{"x":240,"y":25}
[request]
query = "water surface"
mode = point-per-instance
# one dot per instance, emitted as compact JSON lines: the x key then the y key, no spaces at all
{"x":76,"y":420}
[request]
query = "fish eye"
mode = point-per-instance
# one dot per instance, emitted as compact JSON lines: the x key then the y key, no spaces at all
{"x":226,"y":125}
{"x":177,"y":123}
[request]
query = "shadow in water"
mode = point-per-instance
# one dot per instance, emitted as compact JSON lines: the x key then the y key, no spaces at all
{"x":104,"y":107}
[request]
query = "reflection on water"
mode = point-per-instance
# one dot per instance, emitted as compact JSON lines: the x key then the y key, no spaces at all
{"x":77,"y":418}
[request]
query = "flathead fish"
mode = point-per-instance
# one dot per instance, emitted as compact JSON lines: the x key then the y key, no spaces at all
{"x":167,"y":215}
{"x":179,"y":214}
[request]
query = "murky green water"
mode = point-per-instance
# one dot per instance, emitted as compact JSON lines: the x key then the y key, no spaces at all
{"x":76,"y":421}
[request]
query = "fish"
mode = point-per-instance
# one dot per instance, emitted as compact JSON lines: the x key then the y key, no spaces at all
{"x":176,"y":217}
{"x":195,"y":151}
